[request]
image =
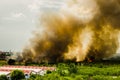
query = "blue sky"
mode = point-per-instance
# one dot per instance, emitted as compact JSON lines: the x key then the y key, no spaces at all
{"x":18,"y":18}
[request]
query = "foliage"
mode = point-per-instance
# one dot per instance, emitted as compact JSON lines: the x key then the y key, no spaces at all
{"x":11,"y":62}
{"x":72,"y":68}
{"x":82,"y":71}
{"x":32,"y":76}
{"x":3,"y":77}
{"x":17,"y":75}
{"x":48,"y":72}
{"x":2,"y":62}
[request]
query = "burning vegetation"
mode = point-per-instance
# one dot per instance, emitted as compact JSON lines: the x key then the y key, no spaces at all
{"x":77,"y":33}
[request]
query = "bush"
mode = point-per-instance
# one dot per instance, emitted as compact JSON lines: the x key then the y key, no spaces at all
{"x":11,"y":61}
{"x":17,"y":75}
{"x":78,"y":78}
{"x":38,"y":78}
{"x":73,"y":68}
{"x":48,"y":71}
{"x":33,"y":76}
{"x":3,"y":77}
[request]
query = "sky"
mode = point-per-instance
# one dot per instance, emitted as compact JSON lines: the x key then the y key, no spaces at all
{"x":18,"y":18}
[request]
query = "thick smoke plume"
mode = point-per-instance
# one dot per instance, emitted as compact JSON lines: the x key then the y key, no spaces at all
{"x":94,"y":31}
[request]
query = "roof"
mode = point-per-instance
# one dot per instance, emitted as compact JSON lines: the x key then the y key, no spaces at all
{"x":25,"y":69}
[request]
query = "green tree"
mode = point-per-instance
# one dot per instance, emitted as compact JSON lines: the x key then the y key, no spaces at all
{"x":17,"y":75}
{"x":3,"y":77}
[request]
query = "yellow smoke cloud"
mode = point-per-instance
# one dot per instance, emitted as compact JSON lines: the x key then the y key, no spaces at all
{"x":80,"y":46}
{"x":85,"y":10}
{"x":82,"y":28}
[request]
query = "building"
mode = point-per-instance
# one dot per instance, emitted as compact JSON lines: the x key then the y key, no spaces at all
{"x":4,"y":55}
{"x":26,"y":69}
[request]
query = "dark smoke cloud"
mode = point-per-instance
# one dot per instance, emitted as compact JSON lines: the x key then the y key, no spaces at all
{"x":109,"y":12}
{"x":53,"y":43}
{"x":105,"y":43}
{"x":106,"y":27}
{"x":59,"y":31}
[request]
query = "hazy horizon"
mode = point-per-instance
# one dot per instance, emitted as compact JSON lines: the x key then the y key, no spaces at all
{"x":18,"y":18}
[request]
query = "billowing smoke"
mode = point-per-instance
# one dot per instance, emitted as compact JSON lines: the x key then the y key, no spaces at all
{"x":106,"y":29}
{"x":82,"y":28}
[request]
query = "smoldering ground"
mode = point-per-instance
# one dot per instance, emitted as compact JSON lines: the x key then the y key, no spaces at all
{"x":92,"y":31}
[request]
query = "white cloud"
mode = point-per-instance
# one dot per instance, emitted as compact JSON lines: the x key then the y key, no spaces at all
{"x":37,"y":5}
{"x":18,"y":15}
{"x":33,"y":7}
{"x":15,"y":16}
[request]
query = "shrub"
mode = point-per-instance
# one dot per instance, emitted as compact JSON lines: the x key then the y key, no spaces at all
{"x":73,"y":68}
{"x":11,"y":62}
{"x":17,"y":75}
{"x":38,"y":78}
{"x":48,"y":71}
{"x":3,"y":77}
{"x":33,"y":76}
{"x":78,"y":78}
